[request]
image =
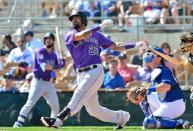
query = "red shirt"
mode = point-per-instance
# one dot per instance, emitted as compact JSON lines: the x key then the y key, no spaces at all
{"x":126,"y":72}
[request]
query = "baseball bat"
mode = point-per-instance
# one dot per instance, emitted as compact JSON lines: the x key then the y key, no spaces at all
{"x":167,"y":57}
{"x":58,"y":40}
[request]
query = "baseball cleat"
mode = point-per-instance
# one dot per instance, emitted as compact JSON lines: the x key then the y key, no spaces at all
{"x":47,"y":121}
{"x":186,"y":125}
{"x":57,"y":123}
{"x":118,"y":127}
{"x":17,"y":124}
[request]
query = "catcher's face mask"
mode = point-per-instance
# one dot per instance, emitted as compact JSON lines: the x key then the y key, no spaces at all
{"x":186,"y":42}
{"x":148,"y":57}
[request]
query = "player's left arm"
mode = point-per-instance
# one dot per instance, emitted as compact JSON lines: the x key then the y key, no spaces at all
{"x":121,"y":46}
{"x":107,"y":43}
{"x":162,"y":87}
{"x":167,"y":78}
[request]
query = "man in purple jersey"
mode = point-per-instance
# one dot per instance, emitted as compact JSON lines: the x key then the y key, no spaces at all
{"x":84,"y":46}
{"x":45,"y":61}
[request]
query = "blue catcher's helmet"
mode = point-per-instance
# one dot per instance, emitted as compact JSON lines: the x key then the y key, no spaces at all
{"x":148,"y":57}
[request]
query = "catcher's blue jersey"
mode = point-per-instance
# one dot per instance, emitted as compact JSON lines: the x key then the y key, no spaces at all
{"x":164,"y":75}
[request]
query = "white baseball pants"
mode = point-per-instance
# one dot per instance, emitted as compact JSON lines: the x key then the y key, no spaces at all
{"x":41,"y":88}
{"x":86,"y":95}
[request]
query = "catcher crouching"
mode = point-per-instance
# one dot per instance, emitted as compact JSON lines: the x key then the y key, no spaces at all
{"x":161,"y":99}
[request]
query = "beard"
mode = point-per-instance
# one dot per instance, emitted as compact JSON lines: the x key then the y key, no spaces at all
{"x":50,"y":46}
{"x":76,"y":26}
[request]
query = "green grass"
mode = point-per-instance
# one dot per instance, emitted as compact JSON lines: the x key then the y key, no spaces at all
{"x":77,"y":128}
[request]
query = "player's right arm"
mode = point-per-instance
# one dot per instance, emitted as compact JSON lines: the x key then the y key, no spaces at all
{"x":88,"y":32}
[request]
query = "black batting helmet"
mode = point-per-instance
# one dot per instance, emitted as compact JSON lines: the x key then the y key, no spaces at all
{"x":49,"y":35}
{"x":81,"y":14}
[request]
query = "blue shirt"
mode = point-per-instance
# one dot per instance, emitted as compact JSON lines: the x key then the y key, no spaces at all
{"x":112,"y":83}
{"x":166,"y":76}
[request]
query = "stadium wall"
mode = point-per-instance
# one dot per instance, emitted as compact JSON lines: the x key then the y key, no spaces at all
{"x":11,"y":104}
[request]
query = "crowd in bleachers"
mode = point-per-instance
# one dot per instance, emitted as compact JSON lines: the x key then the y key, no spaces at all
{"x":122,"y":70}
{"x":153,"y":11}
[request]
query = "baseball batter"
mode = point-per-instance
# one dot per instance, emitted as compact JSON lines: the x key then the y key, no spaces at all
{"x":84,"y":46}
{"x":45,"y":62}
{"x":172,"y":103}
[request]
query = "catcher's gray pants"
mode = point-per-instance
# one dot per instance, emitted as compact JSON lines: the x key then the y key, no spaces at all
{"x":40,"y":88}
{"x":86,"y":95}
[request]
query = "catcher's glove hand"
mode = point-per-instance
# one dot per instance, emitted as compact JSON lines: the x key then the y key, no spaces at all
{"x":186,"y":41}
{"x":136,"y":94}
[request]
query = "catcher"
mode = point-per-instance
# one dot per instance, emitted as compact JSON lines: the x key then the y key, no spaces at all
{"x":186,"y":46}
{"x":161,"y":98}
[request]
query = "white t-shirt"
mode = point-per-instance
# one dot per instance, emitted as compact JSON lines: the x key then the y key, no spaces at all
{"x":17,"y":55}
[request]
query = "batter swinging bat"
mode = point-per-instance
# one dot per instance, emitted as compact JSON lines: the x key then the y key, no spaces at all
{"x":166,"y":57}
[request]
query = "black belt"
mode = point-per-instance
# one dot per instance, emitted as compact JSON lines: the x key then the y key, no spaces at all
{"x":85,"y":69}
{"x":43,"y":79}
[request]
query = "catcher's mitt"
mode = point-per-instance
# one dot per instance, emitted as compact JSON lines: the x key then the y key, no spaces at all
{"x":186,"y":41}
{"x":136,"y":94}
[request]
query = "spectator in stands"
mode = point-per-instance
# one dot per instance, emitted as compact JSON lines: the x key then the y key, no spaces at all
{"x":125,"y":9}
{"x":167,"y":50}
{"x":152,"y":10}
{"x":19,"y":74}
{"x":143,"y":74}
{"x":44,"y":11}
{"x":56,"y":10}
{"x":136,"y":59}
{"x":26,"y":85}
{"x":8,"y":84}
{"x":90,"y":8}
{"x":108,"y":8}
{"x":31,"y":43}
{"x":80,"y":5}
{"x":20,"y":54}
{"x":94,"y":10}
{"x":175,"y":8}
{"x":112,"y":78}
{"x":105,"y":57}
{"x":69,"y":72}
{"x":8,"y":45}
{"x":125,"y":70}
